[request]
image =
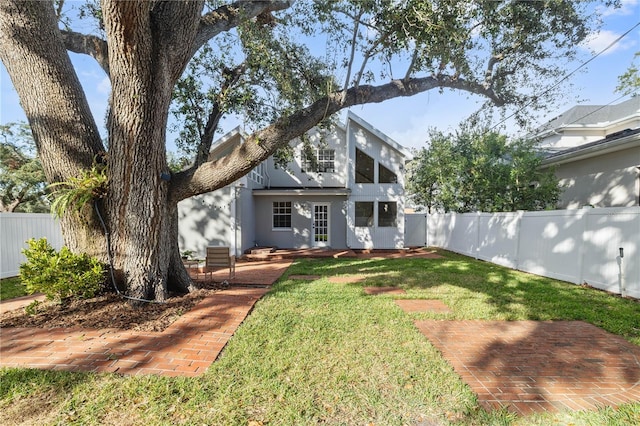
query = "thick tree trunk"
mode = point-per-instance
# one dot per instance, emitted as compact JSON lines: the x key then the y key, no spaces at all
{"x":147,"y":52}
{"x":53,"y":100}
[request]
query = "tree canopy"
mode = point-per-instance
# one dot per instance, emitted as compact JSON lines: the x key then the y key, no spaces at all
{"x":283,"y":66}
{"x":22,"y":180}
{"x":480,"y":170}
{"x":629,"y":81}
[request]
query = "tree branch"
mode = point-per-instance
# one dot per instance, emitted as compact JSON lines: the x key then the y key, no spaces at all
{"x":414,"y":59}
{"x":232,"y":76}
{"x":488,"y":74}
{"x":212,"y":175}
{"x":230,"y":16}
{"x":353,"y":49}
{"x":89,"y":45}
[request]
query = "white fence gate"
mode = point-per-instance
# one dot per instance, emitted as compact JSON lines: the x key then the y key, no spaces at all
{"x":16,"y":229}
{"x":415,"y":230}
{"x":577,"y":246}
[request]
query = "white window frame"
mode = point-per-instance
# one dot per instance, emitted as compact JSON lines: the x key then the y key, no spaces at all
{"x":325,"y":160}
{"x":279,"y":208}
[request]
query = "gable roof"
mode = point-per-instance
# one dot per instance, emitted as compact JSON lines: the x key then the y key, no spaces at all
{"x":615,"y":142}
{"x":593,"y":116}
{"x":386,"y":139}
{"x":223,"y":143}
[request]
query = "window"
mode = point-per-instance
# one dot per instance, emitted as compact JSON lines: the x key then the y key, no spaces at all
{"x":257,"y":174}
{"x":385,"y":175}
{"x":364,"y":213}
{"x":282,"y":215}
{"x":324,"y":162}
{"x":364,"y":167}
{"x":387,"y":214}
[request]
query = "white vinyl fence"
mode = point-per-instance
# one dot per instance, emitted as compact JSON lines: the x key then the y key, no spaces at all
{"x":16,"y":229}
{"x":578,"y":246}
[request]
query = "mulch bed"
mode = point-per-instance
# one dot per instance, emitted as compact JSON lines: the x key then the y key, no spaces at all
{"x":106,"y":311}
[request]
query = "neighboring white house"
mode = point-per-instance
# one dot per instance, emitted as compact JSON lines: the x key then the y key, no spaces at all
{"x":595,"y":151}
{"x":351,"y":196}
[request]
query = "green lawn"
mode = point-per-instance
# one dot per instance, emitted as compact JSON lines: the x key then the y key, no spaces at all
{"x":11,"y":287}
{"x":313,"y":352}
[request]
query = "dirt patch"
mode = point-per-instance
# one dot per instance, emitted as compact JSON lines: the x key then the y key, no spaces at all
{"x":106,"y":311}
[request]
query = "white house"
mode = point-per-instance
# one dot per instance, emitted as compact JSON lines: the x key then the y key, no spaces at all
{"x":595,"y":151}
{"x":351,"y":196}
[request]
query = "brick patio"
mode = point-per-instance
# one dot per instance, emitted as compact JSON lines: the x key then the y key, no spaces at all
{"x":186,"y":348}
{"x":530,"y":366}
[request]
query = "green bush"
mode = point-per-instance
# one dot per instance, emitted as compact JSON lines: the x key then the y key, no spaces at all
{"x":60,"y":275}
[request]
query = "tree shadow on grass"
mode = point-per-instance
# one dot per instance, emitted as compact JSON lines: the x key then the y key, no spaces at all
{"x":481,"y":290}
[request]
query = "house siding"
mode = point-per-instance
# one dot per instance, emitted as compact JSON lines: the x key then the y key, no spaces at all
{"x":294,"y":177}
{"x":206,"y":220}
{"x":300,"y":234}
{"x":375,"y":236}
{"x":608,"y":180}
{"x":241,"y":215}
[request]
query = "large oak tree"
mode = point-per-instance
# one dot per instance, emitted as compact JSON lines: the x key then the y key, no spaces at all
{"x":253,"y":52}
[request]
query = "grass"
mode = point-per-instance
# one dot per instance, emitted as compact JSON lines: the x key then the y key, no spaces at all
{"x":11,"y":288}
{"x":314,"y":352}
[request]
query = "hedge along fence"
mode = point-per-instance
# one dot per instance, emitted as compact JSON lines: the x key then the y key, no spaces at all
{"x":16,"y":229}
{"x":578,"y":246}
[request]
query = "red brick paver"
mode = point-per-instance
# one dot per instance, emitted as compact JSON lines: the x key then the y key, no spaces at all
{"x":186,"y":348}
{"x":423,"y":305}
{"x":20,"y":302}
{"x":305,"y":277}
{"x":531,"y":366}
{"x":383,"y":290}
{"x":347,"y":279}
{"x":248,"y":273}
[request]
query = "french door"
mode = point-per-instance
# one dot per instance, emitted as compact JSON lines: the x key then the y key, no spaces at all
{"x":321,"y":225}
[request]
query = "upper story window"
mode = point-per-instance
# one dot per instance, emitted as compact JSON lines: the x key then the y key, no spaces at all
{"x":324,"y":161}
{"x":257,"y":174}
{"x":364,"y":168}
{"x":282,"y":215}
{"x":385,"y":175}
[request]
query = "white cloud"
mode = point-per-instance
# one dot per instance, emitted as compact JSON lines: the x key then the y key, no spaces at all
{"x":626,"y":8}
{"x":104,"y":86}
{"x":602,"y":39}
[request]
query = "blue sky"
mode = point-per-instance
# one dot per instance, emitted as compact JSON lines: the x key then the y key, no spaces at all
{"x":407,"y":120}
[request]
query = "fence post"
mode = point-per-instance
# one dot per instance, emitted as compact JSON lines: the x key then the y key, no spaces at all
{"x":477,"y":254}
{"x":516,"y":260}
{"x":583,"y":214}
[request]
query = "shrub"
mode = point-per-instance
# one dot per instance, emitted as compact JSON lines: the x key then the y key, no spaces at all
{"x":60,"y":275}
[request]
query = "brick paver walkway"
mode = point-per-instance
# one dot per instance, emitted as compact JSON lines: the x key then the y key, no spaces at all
{"x":423,"y":305}
{"x":531,"y":366}
{"x":186,"y":348}
{"x":20,"y":302}
{"x":248,"y":273}
{"x":373,"y":291}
